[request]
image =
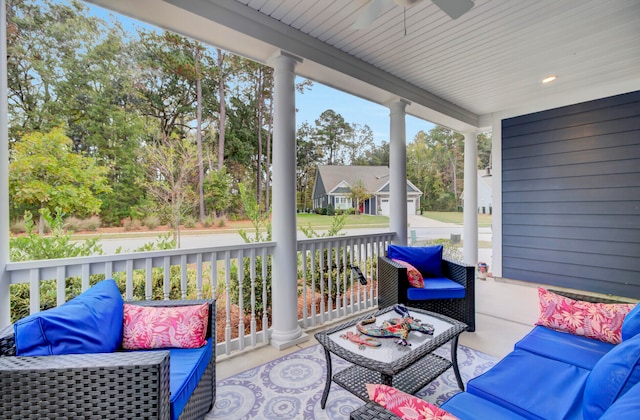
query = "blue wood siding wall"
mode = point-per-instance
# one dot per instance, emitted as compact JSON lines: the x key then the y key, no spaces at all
{"x":571,"y":196}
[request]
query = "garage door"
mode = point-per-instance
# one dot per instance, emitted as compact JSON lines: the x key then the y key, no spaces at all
{"x":411,"y":207}
{"x":384,"y":207}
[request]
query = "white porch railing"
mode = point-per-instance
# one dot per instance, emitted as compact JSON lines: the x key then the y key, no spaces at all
{"x":328,"y":288}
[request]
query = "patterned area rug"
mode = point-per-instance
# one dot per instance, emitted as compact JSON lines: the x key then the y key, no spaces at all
{"x":291,"y":387}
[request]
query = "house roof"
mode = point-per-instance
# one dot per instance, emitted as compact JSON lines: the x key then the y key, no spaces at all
{"x":460,"y":73}
{"x":373,"y":177}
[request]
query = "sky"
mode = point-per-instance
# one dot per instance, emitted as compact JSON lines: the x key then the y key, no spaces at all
{"x":319,"y":98}
{"x":354,"y":110}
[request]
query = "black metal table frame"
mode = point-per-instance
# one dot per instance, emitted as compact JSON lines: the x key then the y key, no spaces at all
{"x":413,"y":363}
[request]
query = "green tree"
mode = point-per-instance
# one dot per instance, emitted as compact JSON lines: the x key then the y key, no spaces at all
{"x":170,"y":166}
{"x":46,"y":174}
{"x":217,"y":189}
{"x":359,"y":194}
{"x":331,"y":133}
{"x":307,"y":158}
{"x":375,"y":155}
{"x":484,"y":150}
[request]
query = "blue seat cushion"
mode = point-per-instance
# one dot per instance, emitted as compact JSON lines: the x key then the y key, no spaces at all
{"x":427,"y":259}
{"x":186,"y":368}
{"x":89,"y":323}
{"x":468,"y":406}
{"x":625,"y":407}
{"x":514,"y":383}
{"x":631,"y":323}
{"x":437,"y":288}
{"x":612,"y":377}
{"x":573,"y":349}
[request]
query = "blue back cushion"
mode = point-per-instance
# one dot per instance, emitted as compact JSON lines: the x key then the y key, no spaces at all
{"x":89,"y":323}
{"x":427,"y":259}
{"x":612,"y":377}
{"x":631,"y":323}
{"x":625,"y":407}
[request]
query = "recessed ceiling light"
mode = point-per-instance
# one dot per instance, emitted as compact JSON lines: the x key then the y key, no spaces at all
{"x":548,"y":79}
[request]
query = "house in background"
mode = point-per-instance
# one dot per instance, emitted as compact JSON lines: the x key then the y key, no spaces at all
{"x":333,"y":186}
{"x":485,"y":191}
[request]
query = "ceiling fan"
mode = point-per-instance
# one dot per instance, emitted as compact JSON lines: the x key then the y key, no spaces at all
{"x":453,"y":8}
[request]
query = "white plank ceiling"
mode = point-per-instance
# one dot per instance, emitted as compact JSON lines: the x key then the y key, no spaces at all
{"x":489,"y":61}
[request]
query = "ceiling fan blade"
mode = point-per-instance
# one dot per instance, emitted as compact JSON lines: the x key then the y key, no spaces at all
{"x":370,"y":13}
{"x":454,"y":8}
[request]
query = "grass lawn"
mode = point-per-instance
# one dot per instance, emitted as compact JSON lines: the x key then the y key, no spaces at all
{"x":319,"y":221}
{"x":484,"y":220}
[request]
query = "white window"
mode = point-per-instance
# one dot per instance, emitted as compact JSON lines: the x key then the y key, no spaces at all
{"x":342,"y":203}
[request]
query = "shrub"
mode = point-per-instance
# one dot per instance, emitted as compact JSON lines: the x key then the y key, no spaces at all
{"x":129,"y":224}
{"x":190,"y":222}
{"x":73,"y":224}
{"x":151,"y":221}
{"x":222,"y":221}
{"x":17,"y":227}
{"x":208,"y":222}
{"x":92,"y":224}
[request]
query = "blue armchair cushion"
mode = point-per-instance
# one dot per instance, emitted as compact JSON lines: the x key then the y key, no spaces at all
{"x":437,"y":288}
{"x":185,"y":371}
{"x":427,"y":259}
{"x":631,"y":323}
{"x":612,"y":377}
{"x":88,"y":323}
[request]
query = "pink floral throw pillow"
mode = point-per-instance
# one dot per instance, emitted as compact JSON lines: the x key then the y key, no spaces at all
{"x":148,"y":327}
{"x":413,"y":275}
{"x":600,"y":321}
{"x":406,"y":406}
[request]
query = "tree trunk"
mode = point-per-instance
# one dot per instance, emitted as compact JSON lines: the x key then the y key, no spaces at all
{"x":41,"y":222}
{"x":268,"y":151}
{"x":260,"y":97}
{"x":199,"y":134}
{"x":223,"y":110}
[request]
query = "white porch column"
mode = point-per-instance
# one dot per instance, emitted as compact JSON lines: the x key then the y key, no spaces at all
{"x":398,"y":172}
{"x":5,"y":310}
{"x":496,"y":199}
{"x":285,"y":330}
{"x":470,"y":232}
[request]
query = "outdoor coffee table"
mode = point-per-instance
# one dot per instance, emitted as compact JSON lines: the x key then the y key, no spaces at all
{"x":407,"y":368}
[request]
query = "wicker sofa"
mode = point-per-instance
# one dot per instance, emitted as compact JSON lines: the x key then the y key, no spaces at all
{"x":393,"y":288}
{"x":552,"y":375}
{"x":122,"y":384}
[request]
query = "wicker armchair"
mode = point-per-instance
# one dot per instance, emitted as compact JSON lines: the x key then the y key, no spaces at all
{"x":393,"y":285}
{"x":127,"y":384}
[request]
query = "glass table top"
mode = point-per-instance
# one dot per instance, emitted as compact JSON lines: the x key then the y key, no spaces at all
{"x":389,"y":351}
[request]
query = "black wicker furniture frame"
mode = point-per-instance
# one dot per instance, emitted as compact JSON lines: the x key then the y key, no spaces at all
{"x":127,"y":384}
{"x":393,"y":285}
{"x":409,"y":373}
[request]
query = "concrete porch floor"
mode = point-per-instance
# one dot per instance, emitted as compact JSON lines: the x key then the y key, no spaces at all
{"x":505,"y":312}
